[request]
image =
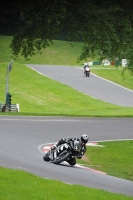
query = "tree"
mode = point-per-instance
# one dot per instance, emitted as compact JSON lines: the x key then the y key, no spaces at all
{"x":105,"y":27}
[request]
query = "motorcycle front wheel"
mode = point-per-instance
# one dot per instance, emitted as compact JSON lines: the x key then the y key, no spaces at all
{"x":87,"y":74}
{"x":46,"y":157}
{"x":62,"y":157}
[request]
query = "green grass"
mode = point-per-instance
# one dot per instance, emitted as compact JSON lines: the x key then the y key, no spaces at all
{"x":114,"y":74}
{"x":115,"y":158}
{"x":60,"y":52}
{"x":16,"y":184}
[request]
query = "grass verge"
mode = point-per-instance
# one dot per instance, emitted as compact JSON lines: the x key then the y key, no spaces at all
{"x":114,"y":158}
{"x":16,"y":184}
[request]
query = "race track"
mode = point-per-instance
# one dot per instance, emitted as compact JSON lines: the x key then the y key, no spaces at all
{"x":93,"y":86}
{"x":21,"y":137}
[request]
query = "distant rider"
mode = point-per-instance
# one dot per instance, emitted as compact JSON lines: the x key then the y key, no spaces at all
{"x":84,"y":139}
{"x":85,"y":66}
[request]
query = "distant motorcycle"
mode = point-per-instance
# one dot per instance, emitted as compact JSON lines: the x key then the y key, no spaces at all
{"x":87,"y":71}
{"x":64,"y":152}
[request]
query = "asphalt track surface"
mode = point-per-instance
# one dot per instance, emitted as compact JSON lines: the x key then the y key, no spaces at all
{"x":93,"y":86}
{"x":22,"y":137}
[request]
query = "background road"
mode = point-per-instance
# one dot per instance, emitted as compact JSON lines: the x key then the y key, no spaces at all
{"x":20,"y":138}
{"x":93,"y":86}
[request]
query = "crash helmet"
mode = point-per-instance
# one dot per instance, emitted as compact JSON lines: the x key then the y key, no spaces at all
{"x":84,"y":138}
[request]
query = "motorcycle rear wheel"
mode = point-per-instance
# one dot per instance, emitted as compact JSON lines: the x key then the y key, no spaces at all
{"x":62,"y":157}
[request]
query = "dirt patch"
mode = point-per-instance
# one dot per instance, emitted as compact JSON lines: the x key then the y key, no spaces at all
{"x":85,"y":158}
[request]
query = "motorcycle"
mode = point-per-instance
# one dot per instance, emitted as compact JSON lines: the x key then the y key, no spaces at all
{"x":87,"y":71}
{"x":64,"y":152}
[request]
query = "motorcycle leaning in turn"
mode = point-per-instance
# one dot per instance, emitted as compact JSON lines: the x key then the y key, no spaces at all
{"x":64,"y":152}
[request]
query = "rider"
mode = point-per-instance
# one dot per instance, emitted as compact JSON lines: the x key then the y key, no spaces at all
{"x":85,"y":66}
{"x":84,"y":139}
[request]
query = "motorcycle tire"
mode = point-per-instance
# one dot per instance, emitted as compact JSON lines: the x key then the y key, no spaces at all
{"x":72,"y":161}
{"x":87,"y":74}
{"x":46,"y":157}
{"x":62,"y":157}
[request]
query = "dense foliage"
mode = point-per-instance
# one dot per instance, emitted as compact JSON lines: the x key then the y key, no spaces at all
{"x":105,"y":27}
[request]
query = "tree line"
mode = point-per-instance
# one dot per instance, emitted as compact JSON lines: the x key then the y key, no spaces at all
{"x":104,"y":27}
